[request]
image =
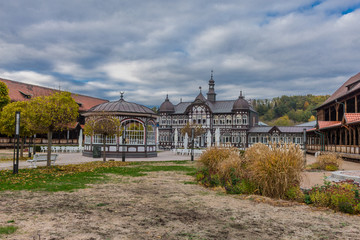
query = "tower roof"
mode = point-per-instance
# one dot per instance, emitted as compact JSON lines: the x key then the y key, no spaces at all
{"x":200,"y":96}
{"x":241,"y":103}
{"x":167,"y":106}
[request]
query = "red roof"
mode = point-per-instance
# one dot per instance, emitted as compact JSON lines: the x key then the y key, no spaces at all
{"x":351,"y":85}
{"x":351,"y":118}
{"x":326,"y":124}
{"x":24,"y":92}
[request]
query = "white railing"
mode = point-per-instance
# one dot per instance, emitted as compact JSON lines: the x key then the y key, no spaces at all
{"x":197,"y":152}
{"x":62,"y":149}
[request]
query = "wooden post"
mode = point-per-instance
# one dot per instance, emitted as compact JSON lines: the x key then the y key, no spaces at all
{"x":337,"y":112}
{"x":356,"y":104}
{"x":345,"y":106}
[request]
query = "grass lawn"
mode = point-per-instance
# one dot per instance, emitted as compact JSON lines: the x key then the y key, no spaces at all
{"x":70,"y":177}
{"x":7,"y":229}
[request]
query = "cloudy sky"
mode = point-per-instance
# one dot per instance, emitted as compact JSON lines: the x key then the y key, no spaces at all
{"x":266,"y":48}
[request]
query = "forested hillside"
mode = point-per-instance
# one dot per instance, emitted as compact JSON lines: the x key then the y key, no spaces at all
{"x":288,"y":110}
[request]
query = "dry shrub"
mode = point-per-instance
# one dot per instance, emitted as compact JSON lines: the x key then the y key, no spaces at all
{"x":328,"y":162}
{"x":212,"y":157}
{"x":275,"y":169}
{"x":232,"y":167}
{"x":221,"y":166}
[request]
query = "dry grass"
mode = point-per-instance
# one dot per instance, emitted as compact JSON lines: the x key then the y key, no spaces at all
{"x":328,"y":161}
{"x":212,"y":158}
{"x":275,"y":170}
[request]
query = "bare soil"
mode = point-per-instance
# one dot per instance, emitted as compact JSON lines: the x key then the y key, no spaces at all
{"x":162,"y":205}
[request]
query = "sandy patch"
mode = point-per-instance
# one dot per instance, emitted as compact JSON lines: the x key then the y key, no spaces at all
{"x":161,"y":206}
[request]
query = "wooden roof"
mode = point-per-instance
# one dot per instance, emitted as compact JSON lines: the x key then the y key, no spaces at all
{"x":350,"y":86}
{"x":19,"y":91}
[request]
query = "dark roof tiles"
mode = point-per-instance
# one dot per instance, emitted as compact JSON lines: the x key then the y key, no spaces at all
{"x":122,"y":106}
{"x":351,"y":85}
{"x":283,"y":129}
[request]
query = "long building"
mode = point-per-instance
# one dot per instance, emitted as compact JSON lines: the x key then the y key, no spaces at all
{"x":234,"y":122}
{"x":338,"y":126}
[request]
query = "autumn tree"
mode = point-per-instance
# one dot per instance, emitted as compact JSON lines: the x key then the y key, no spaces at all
{"x":4,"y":95}
{"x":104,"y":124}
{"x":52,"y":113}
{"x":198,"y":130}
{"x":7,"y":121}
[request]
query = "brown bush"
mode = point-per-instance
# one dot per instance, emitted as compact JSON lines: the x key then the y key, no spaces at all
{"x":276,"y":169}
{"x":212,"y":157}
{"x":328,"y":161}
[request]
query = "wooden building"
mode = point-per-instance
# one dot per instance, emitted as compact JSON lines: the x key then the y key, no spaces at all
{"x":338,"y":126}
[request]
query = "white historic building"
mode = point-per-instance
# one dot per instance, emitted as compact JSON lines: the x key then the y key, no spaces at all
{"x":231,"y":119}
{"x":229,"y":122}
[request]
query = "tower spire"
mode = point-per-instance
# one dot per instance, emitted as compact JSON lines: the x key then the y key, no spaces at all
{"x":211,"y":95}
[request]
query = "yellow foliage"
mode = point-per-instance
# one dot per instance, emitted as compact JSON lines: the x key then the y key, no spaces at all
{"x":275,"y":169}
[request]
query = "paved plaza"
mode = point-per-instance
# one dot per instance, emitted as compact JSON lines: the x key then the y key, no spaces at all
{"x":75,"y":158}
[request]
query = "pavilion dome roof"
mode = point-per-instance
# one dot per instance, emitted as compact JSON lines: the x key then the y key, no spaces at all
{"x":167,"y":106}
{"x":122,"y":106}
{"x":241,"y":103}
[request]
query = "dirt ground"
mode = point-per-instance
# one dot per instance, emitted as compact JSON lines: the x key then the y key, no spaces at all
{"x":162,"y":205}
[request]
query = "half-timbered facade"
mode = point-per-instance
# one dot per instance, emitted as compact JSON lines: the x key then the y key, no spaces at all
{"x":231,"y":118}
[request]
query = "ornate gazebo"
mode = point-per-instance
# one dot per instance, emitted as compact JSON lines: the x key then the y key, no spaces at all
{"x":139,"y":130}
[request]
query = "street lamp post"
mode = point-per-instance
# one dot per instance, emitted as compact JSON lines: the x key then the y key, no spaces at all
{"x":123,"y":145}
{"x":192,"y":143}
{"x":17,"y":136}
{"x":304,"y":143}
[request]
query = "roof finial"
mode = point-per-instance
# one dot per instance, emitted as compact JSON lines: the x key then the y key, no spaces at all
{"x":212,"y":74}
{"x":167,"y":97}
{"x":200,"y":88}
{"x":181,"y":100}
{"x":241,"y":96}
{"x":122,"y":95}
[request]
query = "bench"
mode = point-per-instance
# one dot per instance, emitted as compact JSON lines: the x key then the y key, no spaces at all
{"x":41,"y":158}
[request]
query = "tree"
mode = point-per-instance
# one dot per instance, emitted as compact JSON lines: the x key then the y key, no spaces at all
{"x":4,"y":95}
{"x":312,"y":118}
{"x":52,"y":113}
{"x":283,"y":121}
{"x":198,"y":130}
{"x":104,"y":124}
{"x":7,"y":121}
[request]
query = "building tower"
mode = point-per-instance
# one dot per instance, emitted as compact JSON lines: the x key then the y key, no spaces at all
{"x":211,"y":95}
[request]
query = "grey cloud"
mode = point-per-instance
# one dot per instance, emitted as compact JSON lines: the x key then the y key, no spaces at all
{"x":151,"y":48}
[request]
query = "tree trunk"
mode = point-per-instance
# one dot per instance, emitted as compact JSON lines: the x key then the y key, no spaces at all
{"x":49,"y":148}
{"x":104,"y":144}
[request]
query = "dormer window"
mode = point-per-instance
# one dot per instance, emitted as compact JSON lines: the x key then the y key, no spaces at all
{"x":352,"y":85}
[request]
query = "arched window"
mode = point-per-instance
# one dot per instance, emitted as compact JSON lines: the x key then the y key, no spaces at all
{"x":222,"y":120}
{"x":244,"y":119}
{"x":169,"y":121}
{"x":151,"y":133}
{"x":238,"y":119}
{"x":134,"y":132}
{"x":216,"y":120}
{"x":163,"y":120}
{"x":228,"y":120}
